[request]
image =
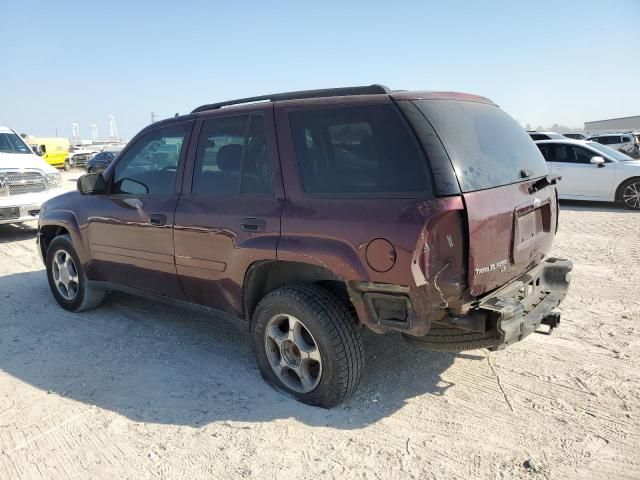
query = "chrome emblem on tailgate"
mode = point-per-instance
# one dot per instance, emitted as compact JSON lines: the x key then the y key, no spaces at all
{"x":501,"y":266}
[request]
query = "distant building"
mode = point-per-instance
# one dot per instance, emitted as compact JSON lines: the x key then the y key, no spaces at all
{"x":614,"y":124}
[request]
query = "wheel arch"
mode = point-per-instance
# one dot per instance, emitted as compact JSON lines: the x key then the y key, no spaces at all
{"x":61,"y":223}
{"x":263,"y":277}
{"x":618,"y":195}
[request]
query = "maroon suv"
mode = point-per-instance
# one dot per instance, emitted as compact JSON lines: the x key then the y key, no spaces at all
{"x":306,"y":216}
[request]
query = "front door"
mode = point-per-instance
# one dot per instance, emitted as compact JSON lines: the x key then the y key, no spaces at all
{"x":580,"y":177}
{"x":130,"y":230}
{"x":228,"y":216}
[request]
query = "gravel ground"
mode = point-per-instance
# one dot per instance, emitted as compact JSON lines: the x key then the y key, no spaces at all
{"x":139,"y":390}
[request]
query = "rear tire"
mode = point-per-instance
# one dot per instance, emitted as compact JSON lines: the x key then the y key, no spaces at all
{"x":67,"y":279}
{"x":67,"y":166}
{"x":630,"y":194}
{"x":329,"y":354}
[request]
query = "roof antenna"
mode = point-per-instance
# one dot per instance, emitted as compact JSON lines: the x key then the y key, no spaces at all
{"x":176,"y":114}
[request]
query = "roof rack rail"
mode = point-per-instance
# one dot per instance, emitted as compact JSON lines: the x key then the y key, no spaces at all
{"x":324,"y":92}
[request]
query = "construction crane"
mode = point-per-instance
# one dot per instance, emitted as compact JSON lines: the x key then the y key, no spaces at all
{"x":113,"y":131}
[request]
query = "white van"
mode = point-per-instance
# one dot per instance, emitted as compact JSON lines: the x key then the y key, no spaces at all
{"x":26,"y":180}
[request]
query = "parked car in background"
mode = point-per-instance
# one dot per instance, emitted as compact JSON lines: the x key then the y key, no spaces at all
{"x":625,"y":142}
{"x":592,"y":171}
{"x":78,"y":156}
{"x":54,"y":151}
{"x":575,"y":136}
{"x":26,"y":180}
{"x":535,"y":135}
{"x":307,"y":216}
{"x":100,"y":161}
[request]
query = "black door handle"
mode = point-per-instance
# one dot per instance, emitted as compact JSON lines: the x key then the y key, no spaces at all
{"x":157,"y":219}
{"x":253,"y":225}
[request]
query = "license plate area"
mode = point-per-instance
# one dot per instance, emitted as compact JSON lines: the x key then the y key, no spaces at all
{"x":532,"y":225}
{"x":9,"y":213}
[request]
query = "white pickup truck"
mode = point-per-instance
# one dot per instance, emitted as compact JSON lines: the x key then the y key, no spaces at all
{"x":26,"y":180}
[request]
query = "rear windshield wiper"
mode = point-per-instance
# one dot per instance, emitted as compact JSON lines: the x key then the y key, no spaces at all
{"x":544,"y":182}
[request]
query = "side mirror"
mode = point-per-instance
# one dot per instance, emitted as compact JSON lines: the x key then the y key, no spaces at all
{"x":599,"y":161}
{"x":92,"y":184}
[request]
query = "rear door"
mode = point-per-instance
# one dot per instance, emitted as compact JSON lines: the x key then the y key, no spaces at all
{"x":229,"y":213}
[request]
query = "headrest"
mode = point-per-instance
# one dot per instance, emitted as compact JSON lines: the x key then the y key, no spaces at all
{"x":229,"y":158}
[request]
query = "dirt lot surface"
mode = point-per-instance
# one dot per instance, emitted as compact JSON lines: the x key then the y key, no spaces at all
{"x":139,"y":390}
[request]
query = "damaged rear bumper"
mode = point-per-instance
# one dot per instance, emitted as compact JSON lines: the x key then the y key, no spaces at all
{"x":499,"y":319}
{"x":520,"y":307}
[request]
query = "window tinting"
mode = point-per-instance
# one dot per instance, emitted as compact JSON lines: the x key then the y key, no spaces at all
{"x":547,"y":151}
{"x":538,"y":136}
{"x":570,"y":154}
{"x":583,"y":155}
{"x":232,"y":157}
{"x":12,"y":143}
{"x":355,"y":151}
{"x":486,"y":146}
{"x":150,"y":165}
{"x":609,"y":140}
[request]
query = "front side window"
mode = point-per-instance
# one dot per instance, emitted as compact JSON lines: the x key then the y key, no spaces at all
{"x":358,"y":151}
{"x":571,"y":154}
{"x":232,"y":158}
{"x":149,"y":167}
{"x":583,"y":155}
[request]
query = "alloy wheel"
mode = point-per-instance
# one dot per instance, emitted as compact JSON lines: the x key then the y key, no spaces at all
{"x":631,"y":195}
{"x":65,"y":275}
{"x":293,"y":353}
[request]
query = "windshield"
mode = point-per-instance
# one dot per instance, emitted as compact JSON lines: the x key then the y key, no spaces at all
{"x":12,"y":143}
{"x":486,"y":146}
{"x":611,"y":152}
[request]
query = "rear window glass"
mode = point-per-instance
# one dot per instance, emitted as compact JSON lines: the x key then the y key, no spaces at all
{"x":486,"y":146}
{"x":538,"y":136}
{"x":358,"y":151}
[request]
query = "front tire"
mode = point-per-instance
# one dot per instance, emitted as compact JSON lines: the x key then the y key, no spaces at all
{"x":67,"y":166}
{"x":307,"y":345}
{"x":67,"y":279}
{"x":630,"y":194}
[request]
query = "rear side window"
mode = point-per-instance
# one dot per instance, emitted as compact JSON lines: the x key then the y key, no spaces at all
{"x":358,"y":151}
{"x":486,"y":146}
{"x":547,"y":151}
{"x":232,"y":157}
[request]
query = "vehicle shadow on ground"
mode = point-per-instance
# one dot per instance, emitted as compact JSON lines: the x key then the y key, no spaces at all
{"x":160,"y":364}
{"x":581,"y":206}
{"x":13,"y":233}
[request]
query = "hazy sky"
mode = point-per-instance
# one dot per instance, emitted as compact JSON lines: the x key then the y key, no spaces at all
{"x":544,"y":62}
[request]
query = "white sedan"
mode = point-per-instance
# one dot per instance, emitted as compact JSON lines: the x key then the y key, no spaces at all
{"x":591,"y":171}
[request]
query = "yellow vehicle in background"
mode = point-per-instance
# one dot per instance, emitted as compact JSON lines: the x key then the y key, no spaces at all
{"x":53,"y":150}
